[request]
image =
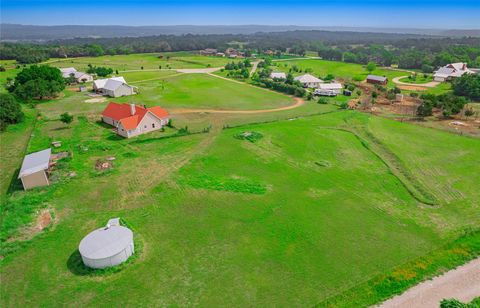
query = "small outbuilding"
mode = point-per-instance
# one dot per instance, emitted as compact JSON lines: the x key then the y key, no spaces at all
{"x":278,"y":75}
{"x":107,"y":246}
{"x":309,"y":81}
{"x":374,"y":79}
{"x":33,"y":172}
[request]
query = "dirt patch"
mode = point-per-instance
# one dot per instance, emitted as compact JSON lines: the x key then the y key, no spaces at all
{"x":103,"y":165}
{"x":412,"y":88}
{"x":43,"y":220}
{"x":96,"y":100}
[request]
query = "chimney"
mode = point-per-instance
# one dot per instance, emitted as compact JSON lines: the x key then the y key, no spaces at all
{"x":132,"y":109}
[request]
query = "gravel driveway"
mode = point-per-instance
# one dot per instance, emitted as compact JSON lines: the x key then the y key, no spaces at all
{"x":462,"y":283}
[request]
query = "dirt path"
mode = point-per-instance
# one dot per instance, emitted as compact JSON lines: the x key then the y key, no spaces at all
{"x":254,"y":67}
{"x":298,"y":102}
{"x":158,"y":78}
{"x":462,"y":283}
{"x":431,"y":84}
{"x":199,"y":70}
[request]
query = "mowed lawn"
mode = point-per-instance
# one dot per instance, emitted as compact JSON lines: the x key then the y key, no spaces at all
{"x":304,"y":213}
{"x":344,"y":70}
{"x":146,"y":60}
{"x":204,"y":91}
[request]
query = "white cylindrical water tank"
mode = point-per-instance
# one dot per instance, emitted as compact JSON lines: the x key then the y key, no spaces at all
{"x":107,"y":246}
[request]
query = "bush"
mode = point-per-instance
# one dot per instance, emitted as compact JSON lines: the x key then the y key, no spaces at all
{"x":66,"y":118}
{"x":414,"y":94}
{"x":250,"y":136}
{"x":468,"y":85}
{"x":322,"y":100}
{"x":10,"y":111}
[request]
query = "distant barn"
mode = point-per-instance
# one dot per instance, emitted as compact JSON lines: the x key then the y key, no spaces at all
{"x":374,"y":79}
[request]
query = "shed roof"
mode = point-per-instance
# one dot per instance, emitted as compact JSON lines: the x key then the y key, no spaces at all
{"x":330,"y":86}
{"x":113,"y":84}
{"x":307,"y":78}
{"x":105,"y":242}
{"x":35,"y":162}
{"x":100,"y":83}
{"x":377,"y":78}
{"x":279,"y":75}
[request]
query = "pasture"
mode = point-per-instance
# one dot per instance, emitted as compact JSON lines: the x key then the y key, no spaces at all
{"x":152,"y":61}
{"x":323,"y":206}
{"x":286,"y":220}
{"x":204,"y":91}
{"x":342,"y":70}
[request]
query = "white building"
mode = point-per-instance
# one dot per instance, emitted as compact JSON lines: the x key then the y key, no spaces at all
{"x":450,"y":71}
{"x":329,"y":89}
{"x":108,"y":246}
{"x":79,"y":76}
{"x":309,"y":81}
{"x":113,"y":87}
{"x":33,"y":172}
{"x":278,"y":75}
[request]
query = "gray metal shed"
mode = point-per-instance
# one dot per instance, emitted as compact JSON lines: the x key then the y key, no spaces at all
{"x":32,"y":173}
{"x":107,"y":246}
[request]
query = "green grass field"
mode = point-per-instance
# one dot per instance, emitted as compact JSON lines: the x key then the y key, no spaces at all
{"x":286,"y":220}
{"x":147,"y":61}
{"x":321,"y":210}
{"x":418,"y":80}
{"x":203,"y":91}
{"x":343,"y":70}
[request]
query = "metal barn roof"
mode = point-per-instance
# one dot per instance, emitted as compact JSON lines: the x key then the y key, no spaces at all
{"x":35,"y":162}
{"x":377,"y":78}
{"x":105,"y":242}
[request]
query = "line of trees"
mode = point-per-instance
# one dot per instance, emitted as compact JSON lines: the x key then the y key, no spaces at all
{"x":408,"y":51}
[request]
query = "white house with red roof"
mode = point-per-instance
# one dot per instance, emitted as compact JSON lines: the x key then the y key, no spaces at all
{"x":132,"y":120}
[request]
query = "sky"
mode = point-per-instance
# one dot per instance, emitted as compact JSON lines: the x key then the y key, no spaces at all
{"x":452,"y":14}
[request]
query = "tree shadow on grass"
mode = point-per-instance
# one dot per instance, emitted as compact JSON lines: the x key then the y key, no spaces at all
{"x":15,"y":183}
{"x":60,"y":128}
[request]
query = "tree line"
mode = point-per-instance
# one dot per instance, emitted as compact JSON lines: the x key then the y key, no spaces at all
{"x":407,"y":51}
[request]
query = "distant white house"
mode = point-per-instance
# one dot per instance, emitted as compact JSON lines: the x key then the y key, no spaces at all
{"x":450,"y":71}
{"x":278,"y":75}
{"x":79,"y":76}
{"x":113,"y":87}
{"x":309,"y":81}
{"x":329,"y":89}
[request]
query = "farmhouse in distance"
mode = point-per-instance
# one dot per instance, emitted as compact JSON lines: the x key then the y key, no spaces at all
{"x":113,"y":87}
{"x":450,"y":71}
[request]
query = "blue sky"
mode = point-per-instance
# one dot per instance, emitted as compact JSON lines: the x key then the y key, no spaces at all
{"x":404,"y":13}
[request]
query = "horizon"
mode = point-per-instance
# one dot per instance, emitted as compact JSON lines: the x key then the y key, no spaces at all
{"x":370,"y":14}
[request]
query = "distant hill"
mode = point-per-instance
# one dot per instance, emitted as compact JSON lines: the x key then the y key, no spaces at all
{"x":15,"y":32}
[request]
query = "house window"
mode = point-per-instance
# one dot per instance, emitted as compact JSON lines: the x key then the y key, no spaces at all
{"x":145,"y":126}
{"x":153,"y":125}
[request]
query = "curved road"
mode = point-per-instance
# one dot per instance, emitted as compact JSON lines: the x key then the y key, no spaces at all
{"x":462,"y":283}
{"x":431,"y":84}
{"x":298,"y":102}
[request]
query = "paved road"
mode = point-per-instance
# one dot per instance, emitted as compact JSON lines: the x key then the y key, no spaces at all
{"x":462,"y":283}
{"x":431,"y":84}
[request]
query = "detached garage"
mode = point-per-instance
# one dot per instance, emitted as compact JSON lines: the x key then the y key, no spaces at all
{"x":34,"y":169}
{"x":107,"y":246}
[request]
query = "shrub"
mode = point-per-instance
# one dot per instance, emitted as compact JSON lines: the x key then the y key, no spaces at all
{"x":250,"y":136}
{"x":322,"y":100}
{"x":10,"y":110}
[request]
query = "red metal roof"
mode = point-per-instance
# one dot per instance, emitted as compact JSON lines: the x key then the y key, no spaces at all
{"x":122,"y":113}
